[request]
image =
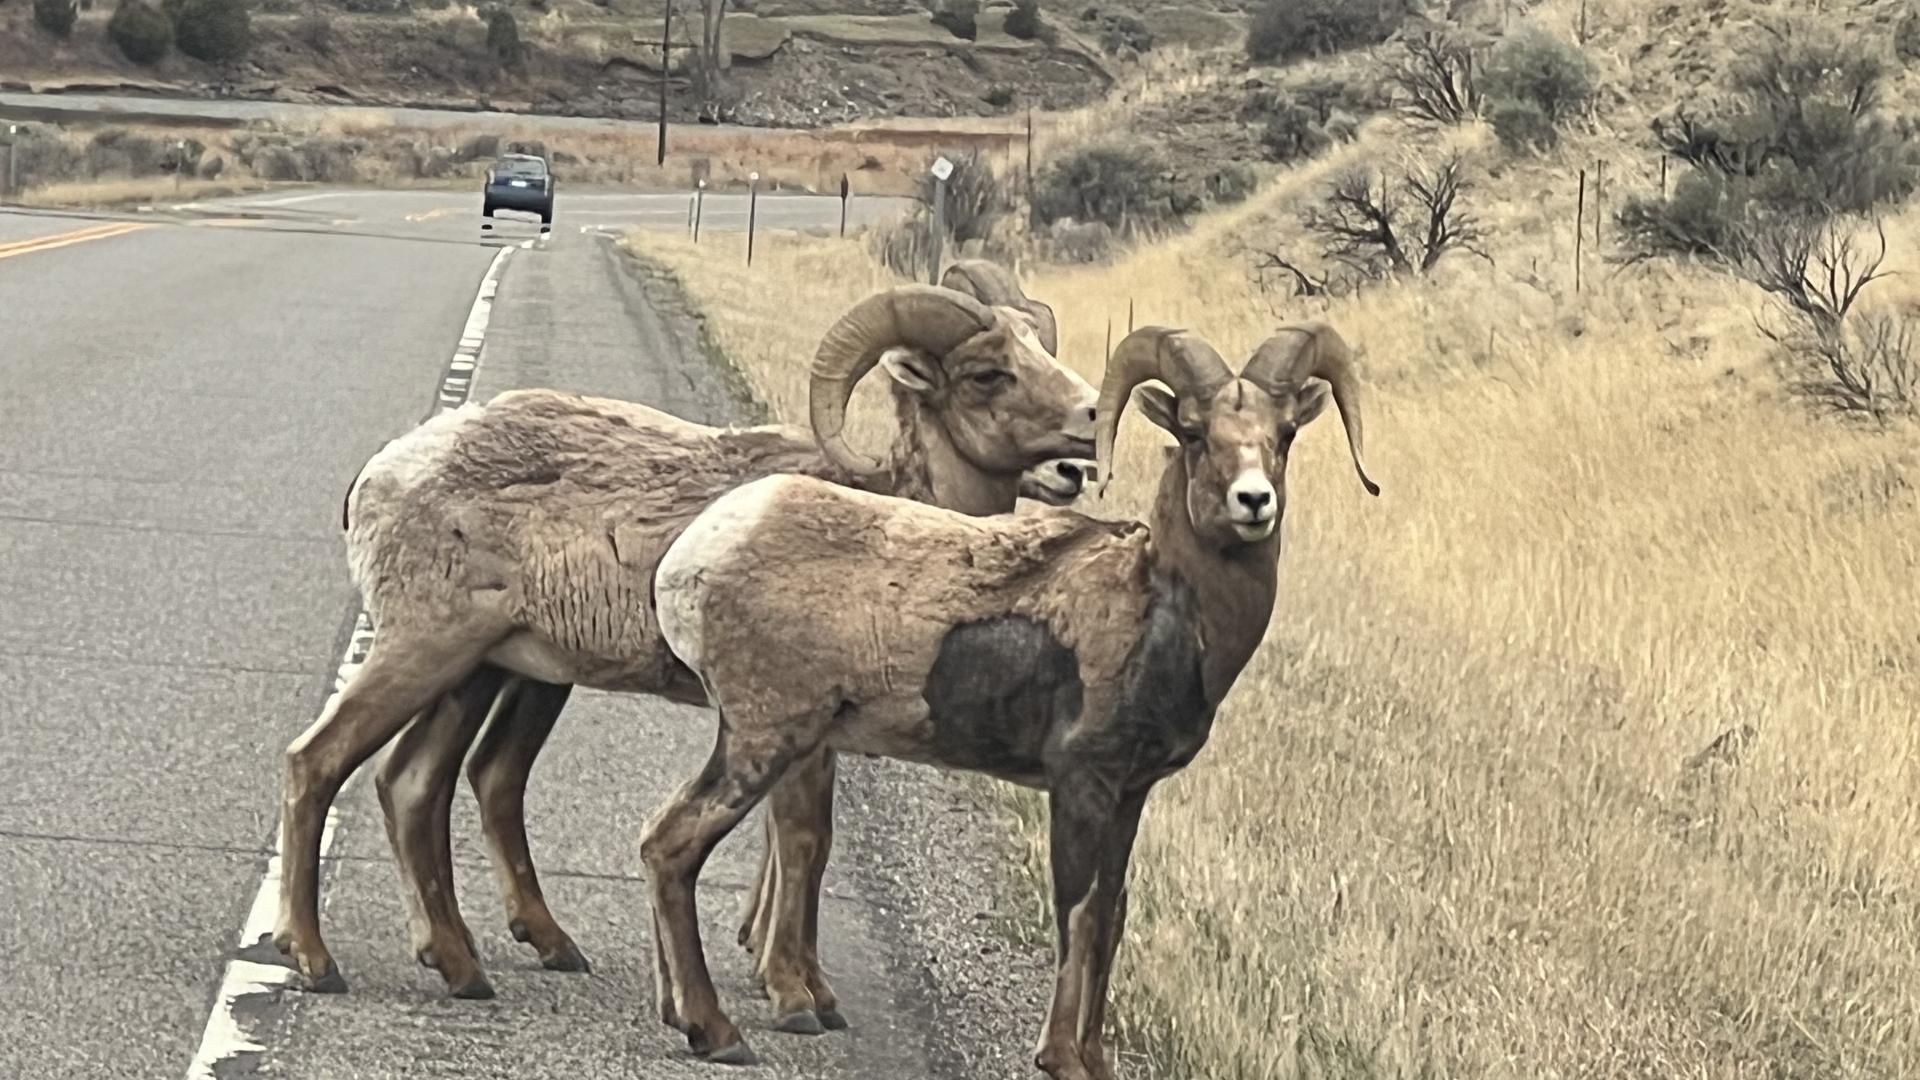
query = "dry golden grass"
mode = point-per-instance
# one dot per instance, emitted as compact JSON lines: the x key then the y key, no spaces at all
{"x":125,"y":191}
{"x":1448,"y":825}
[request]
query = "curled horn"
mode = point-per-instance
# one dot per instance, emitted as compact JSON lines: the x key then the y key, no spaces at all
{"x":1179,"y":358}
{"x":991,"y":283}
{"x":1313,"y":350}
{"x":930,"y":318}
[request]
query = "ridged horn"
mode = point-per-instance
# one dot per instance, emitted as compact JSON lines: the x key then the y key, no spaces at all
{"x":1179,"y":358}
{"x":990,"y":283}
{"x":926,"y":317}
{"x":1313,"y":350}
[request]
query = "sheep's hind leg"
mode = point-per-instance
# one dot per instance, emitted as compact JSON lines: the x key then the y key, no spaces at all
{"x":403,"y":674}
{"x":800,"y":809}
{"x":416,"y":785}
{"x":512,"y":740}
{"x":675,"y":845}
{"x":758,"y":910}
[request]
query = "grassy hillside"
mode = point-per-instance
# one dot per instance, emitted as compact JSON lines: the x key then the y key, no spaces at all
{"x":1588,"y":749}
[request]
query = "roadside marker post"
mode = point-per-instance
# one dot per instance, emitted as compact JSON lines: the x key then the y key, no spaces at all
{"x":699,"y":207}
{"x":942,"y":169}
{"x":753,"y":207}
{"x":13,"y":137}
{"x":846,"y":193}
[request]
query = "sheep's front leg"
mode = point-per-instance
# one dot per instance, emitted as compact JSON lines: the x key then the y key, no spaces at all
{"x":1116,"y":853}
{"x":800,"y":816}
{"x":503,"y":759}
{"x":1092,"y":830}
{"x":675,"y":846}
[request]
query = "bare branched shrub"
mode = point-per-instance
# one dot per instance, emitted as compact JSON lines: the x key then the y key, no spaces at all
{"x":1813,"y":266}
{"x":1816,"y":271}
{"x":1436,"y":76}
{"x":1377,"y":227}
{"x":1868,"y":369}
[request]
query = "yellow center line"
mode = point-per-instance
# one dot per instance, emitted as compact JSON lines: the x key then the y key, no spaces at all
{"x":78,"y":236}
{"x":436,"y":212}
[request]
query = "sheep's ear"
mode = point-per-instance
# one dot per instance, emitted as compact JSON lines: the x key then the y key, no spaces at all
{"x":1160,"y":407}
{"x":913,"y":369}
{"x":1310,"y":402}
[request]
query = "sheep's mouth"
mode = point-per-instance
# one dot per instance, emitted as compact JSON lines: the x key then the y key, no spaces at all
{"x":1253,"y":532}
{"x":1063,"y":482}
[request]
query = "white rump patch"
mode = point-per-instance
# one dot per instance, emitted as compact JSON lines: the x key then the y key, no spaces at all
{"x":705,"y":547}
{"x":409,"y":458}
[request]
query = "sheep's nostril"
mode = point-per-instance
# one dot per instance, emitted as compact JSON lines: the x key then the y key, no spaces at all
{"x":1068,"y":470}
{"x":1255,"y":500}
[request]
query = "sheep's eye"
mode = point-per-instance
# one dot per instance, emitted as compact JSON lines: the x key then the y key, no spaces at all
{"x":990,"y":380}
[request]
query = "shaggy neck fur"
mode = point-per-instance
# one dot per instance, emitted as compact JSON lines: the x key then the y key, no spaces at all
{"x":926,"y":467}
{"x":1235,"y":585}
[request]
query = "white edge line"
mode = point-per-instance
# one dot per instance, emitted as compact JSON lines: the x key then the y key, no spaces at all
{"x":225,"y":1037}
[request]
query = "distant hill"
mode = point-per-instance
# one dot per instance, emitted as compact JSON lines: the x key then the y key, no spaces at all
{"x":794,"y":63}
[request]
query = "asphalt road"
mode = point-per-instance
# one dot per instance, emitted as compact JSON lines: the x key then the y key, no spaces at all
{"x":188,"y":396}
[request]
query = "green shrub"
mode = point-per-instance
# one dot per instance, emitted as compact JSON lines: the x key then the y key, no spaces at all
{"x":1289,"y":29}
{"x":142,"y":32}
{"x":503,"y":39}
{"x":217,"y":31}
{"x":1906,"y":37}
{"x":998,"y":96}
{"x":959,"y":18}
{"x":1704,"y":216}
{"x":1806,"y":133}
{"x":976,"y":199}
{"x":56,"y":17}
{"x":1522,"y":125}
{"x":1024,"y":20}
{"x":1120,"y":32}
{"x":1534,"y":66}
{"x":317,"y":31}
{"x":1116,"y":184}
{"x":1291,"y":132}
{"x":1233,"y":182}
{"x":42,"y":156}
{"x":116,"y":150}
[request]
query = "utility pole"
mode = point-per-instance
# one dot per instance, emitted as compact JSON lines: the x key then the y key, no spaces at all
{"x":666,"y":68}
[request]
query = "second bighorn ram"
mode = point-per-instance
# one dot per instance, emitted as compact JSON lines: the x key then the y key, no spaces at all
{"x":505,"y":554}
{"x":1055,"y":650}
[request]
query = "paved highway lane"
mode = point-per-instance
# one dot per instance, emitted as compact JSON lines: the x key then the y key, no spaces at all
{"x":187,"y":403}
{"x":456,"y":214}
{"x":182,"y":406}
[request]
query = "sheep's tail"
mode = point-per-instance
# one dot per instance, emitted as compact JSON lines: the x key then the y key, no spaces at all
{"x":346,"y":504}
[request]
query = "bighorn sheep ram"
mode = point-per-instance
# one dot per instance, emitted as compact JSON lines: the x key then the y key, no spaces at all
{"x":505,"y":553}
{"x":1054,"y":650}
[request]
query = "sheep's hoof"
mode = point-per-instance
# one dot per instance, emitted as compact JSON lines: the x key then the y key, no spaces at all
{"x":800,"y":1022}
{"x":831,"y":1019}
{"x":474,"y":989}
{"x":327,"y":982}
{"x":737,"y":1054}
{"x":569,"y":958}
